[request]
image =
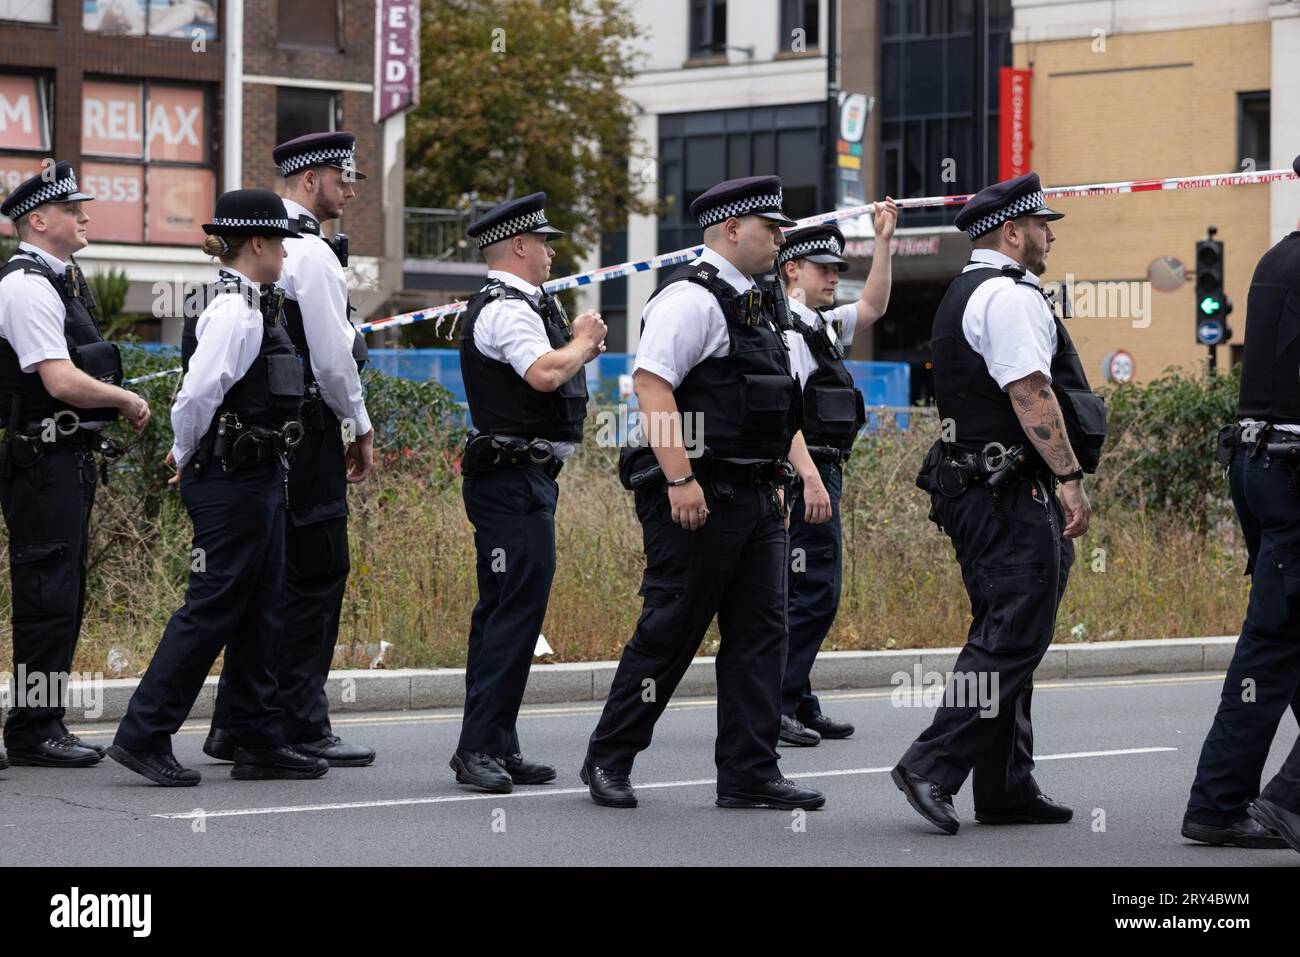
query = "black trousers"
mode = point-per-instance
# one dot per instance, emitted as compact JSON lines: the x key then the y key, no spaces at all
{"x":47,"y":505}
{"x":816,"y":575}
{"x":735,"y":568}
{"x":1264,"y":675}
{"x":1015,"y":569}
{"x":513,"y":514}
{"x":316,"y":577}
{"x":234,"y":601}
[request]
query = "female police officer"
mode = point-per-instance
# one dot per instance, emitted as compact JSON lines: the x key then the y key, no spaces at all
{"x":236,"y":416}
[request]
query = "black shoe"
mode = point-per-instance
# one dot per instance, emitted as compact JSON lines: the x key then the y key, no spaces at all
{"x":220,"y":745}
{"x":337,"y":753}
{"x":831,"y":730}
{"x":1245,"y":832}
{"x":73,"y":739}
{"x":777,"y":793}
{"x":1276,"y":818}
{"x":161,"y":769}
{"x":1041,"y":810}
{"x":281,"y":762}
{"x":928,"y":799}
{"x":482,"y":771}
{"x":792,"y":732}
{"x":54,"y":753}
{"x":608,"y":788}
{"x":527,"y":772}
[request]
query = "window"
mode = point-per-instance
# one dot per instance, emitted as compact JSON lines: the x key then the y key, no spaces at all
{"x":298,"y":112}
{"x":311,"y":24}
{"x":147,"y":151}
{"x":27,"y":11}
{"x":799,"y":25}
{"x":708,"y":28}
{"x":157,"y":18}
{"x":699,"y":150}
{"x":25,"y":107}
{"x":1253,"y":117}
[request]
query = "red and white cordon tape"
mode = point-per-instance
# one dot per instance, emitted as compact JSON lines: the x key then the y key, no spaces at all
{"x":605,"y":273}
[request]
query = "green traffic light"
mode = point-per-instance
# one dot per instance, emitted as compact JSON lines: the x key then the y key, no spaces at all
{"x":1210,"y":305}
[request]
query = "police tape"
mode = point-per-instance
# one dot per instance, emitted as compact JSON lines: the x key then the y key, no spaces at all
{"x":606,"y":273}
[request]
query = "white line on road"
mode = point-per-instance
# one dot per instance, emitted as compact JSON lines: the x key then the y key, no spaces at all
{"x":552,"y":792}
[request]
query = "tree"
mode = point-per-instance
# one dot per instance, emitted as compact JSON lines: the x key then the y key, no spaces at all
{"x":518,"y":96}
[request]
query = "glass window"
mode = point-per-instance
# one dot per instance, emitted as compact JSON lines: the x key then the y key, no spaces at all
{"x":148,"y":161}
{"x":188,"y":20}
{"x":708,"y":35}
{"x":28,"y":11}
{"x":24,"y":112}
{"x":299,"y":111}
{"x":313,"y":24}
{"x":800,"y":22}
{"x":1253,"y":117}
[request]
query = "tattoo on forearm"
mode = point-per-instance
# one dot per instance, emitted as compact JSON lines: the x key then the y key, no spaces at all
{"x":1040,"y":416}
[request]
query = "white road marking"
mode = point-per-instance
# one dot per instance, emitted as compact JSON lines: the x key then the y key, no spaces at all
{"x":552,"y":792}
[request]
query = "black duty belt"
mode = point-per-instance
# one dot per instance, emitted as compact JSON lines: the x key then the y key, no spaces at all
{"x":994,"y":466}
{"x":777,"y":472}
{"x":828,"y":453}
{"x":1258,"y":438}
{"x":485,"y":452}
{"x":238,"y":446}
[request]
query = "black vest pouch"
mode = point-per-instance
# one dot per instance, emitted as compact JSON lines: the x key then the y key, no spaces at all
{"x":284,"y":375}
{"x":840,"y":409}
{"x":360,"y":351}
{"x":1085,"y":424}
{"x":99,"y":360}
{"x":769,"y":404}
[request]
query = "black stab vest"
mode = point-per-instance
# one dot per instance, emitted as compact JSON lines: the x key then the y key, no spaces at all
{"x":1270,"y":372}
{"x":270,"y":393}
{"x":80,"y":331}
{"x":833,"y":408}
{"x":980,"y":411}
{"x":746,"y":400}
{"x":500,"y":400}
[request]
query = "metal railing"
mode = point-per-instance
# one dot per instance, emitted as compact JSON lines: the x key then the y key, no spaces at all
{"x":439,"y":234}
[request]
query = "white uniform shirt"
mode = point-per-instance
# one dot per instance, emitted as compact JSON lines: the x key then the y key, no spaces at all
{"x":507,"y":330}
{"x":230,"y":336}
{"x":32,"y":315}
{"x":1009,"y":324}
{"x":314,"y":279}
{"x":802,"y":363}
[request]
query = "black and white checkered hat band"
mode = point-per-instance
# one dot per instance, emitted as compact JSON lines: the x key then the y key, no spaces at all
{"x":741,"y":207}
{"x":270,"y":223}
{"x":316,"y":158}
{"x":512,"y":227}
{"x":811,"y":248}
{"x":60,"y":187}
{"x":1025,"y":204}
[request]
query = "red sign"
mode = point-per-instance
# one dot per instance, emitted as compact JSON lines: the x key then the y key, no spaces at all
{"x":1014,"y":157}
{"x":112,"y":119}
{"x":117,"y":215}
{"x":397,"y":56}
{"x":180,"y":202}
{"x":22,"y":114}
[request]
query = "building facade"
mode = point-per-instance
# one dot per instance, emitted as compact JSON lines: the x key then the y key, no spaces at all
{"x":161,"y":107}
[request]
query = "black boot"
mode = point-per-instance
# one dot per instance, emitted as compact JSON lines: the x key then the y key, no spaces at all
{"x":608,"y":788}
{"x":930,"y":800}
{"x":482,"y":771}
{"x":337,"y":752}
{"x":161,"y":769}
{"x":282,"y":762}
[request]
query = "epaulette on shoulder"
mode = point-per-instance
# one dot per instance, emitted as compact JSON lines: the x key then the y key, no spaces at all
{"x":1013,"y":272}
{"x":704,"y":272}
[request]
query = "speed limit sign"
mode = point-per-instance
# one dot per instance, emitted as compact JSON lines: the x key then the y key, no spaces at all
{"x":1118,"y":367}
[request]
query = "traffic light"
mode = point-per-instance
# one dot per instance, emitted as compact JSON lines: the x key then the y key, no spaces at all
{"x":1212,"y":305}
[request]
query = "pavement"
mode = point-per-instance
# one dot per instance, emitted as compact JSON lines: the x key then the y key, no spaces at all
{"x":1122,"y":751}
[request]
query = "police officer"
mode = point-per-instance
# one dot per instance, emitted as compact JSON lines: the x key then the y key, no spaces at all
{"x":523,"y":364}
{"x":1020,"y":427}
{"x":809,"y":265}
{"x":235,"y":419}
{"x":711,"y":367}
{"x":1226,"y":805}
{"x":59,"y":381}
{"x":319,"y":174}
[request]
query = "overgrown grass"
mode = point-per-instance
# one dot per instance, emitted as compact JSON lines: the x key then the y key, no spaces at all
{"x":1142,"y":571}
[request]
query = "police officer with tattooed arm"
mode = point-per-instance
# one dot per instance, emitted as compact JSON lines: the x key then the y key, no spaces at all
{"x":1020,"y":429}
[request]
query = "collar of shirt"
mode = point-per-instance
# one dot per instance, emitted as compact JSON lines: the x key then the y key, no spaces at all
{"x":523,"y":285}
{"x":295,"y":210}
{"x":51,"y":260}
{"x":991,"y":257}
{"x":810,"y":317}
{"x":726,"y":271}
{"x":240,"y":276}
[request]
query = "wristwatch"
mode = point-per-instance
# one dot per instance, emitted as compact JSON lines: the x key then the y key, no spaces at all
{"x":1074,"y":476}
